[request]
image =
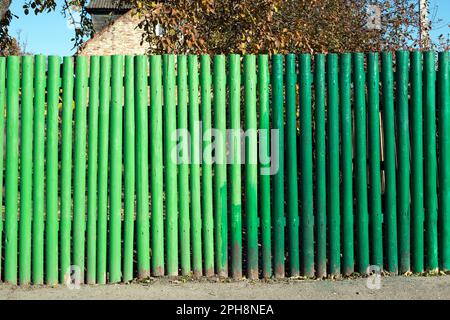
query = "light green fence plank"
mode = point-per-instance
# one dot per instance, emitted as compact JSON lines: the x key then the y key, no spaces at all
{"x":103,"y":161}
{"x":142,"y":168}
{"x":38,"y":170}
{"x":94,"y":82}
{"x":51,"y":226}
{"x":79,"y":173}
{"x":12,"y":167}
{"x":220,"y":167}
{"x":129,"y":170}
{"x":66,"y":169}
{"x":115,"y":186}
{"x":26,"y":173}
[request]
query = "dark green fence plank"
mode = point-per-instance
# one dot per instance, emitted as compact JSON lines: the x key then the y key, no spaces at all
{"x":265,"y":166}
{"x":376,"y":218}
{"x":430,"y":161}
{"x":291,"y":163}
{"x":348,"y":254}
{"x":279,"y":220}
{"x":390,"y":208}
{"x":444,"y":158}
{"x":320,"y":219}
{"x":306,"y":165}
{"x":417,"y":201}
{"x":333,"y":165}
{"x":361,"y":164}
{"x":403,"y":161}
{"x":251,"y":166}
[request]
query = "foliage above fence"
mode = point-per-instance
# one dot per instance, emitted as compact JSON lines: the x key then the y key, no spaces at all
{"x":257,"y":26}
{"x":143,"y":169}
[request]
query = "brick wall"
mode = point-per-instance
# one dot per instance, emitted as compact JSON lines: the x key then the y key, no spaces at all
{"x":121,"y":37}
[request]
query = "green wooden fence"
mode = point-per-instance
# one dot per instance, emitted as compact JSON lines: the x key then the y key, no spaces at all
{"x":360,"y":142}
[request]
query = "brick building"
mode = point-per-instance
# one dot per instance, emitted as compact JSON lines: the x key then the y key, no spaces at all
{"x":116,"y":30}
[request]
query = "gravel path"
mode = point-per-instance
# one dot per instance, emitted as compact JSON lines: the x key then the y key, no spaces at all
{"x":391,"y":288}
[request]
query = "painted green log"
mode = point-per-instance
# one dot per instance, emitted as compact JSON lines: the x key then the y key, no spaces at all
{"x":38,"y":170}
{"x":389,"y":164}
{"x":320,"y":219}
{"x":79,"y":173}
{"x":26,"y":173}
{"x":195,"y":187}
{"x":207,"y":202}
{"x":142,"y":170}
{"x":251,"y":166}
{"x":403,"y":161}
{"x":306,"y":163}
{"x":66,"y":169}
{"x":235,"y":178}
{"x":333,"y":163}
{"x":51,"y":226}
{"x":170,"y":165}
{"x":220,"y":167}
{"x":361,"y":164}
{"x":183,"y":164}
{"x":376,"y":218}
{"x":12,"y":167}
{"x":91,"y":254}
{"x":115,"y":186}
{"x":265,"y":164}
{"x":156,"y":151}
{"x":279,"y":220}
{"x":417,"y":200}
{"x":129,"y":171}
{"x":291,"y":163}
{"x":103,"y":161}
{"x":2,"y":137}
{"x":430,"y":162}
{"x":348,"y":255}
{"x":444,"y":158}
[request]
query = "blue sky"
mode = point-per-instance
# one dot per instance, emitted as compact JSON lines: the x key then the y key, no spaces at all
{"x":51,"y":33}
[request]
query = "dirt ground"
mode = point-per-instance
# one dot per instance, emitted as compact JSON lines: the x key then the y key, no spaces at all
{"x":435,"y":288}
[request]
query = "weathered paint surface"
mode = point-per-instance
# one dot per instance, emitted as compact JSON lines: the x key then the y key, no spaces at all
{"x":327,"y":206}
